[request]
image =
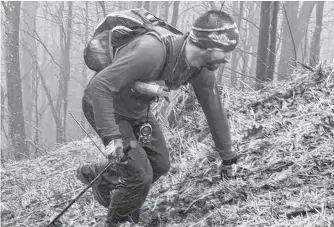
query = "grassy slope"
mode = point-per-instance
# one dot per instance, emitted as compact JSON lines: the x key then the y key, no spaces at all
{"x":286,"y":171}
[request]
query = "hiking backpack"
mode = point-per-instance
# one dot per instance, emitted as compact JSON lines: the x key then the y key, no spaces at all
{"x":118,"y":29}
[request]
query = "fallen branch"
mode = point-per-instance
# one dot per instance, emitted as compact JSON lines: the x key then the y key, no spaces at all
{"x":301,"y":211}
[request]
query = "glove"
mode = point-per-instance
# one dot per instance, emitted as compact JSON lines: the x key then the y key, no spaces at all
{"x":226,"y":170}
{"x":118,"y":152}
{"x":115,"y":149}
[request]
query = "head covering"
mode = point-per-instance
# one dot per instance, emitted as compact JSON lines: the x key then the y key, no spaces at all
{"x":215,"y":29}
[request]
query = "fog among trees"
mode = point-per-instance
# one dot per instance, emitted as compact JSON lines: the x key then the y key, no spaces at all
{"x":43,"y":72}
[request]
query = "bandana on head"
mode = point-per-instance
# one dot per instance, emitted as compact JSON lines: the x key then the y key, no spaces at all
{"x":225,"y":38}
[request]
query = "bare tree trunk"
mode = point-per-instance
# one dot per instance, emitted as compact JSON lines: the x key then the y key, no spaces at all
{"x":66,"y":44}
{"x":164,"y":11}
{"x":47,"y":120}
{"x":97,"y":11}
{"x":35,"y":94}
{"x":298,"y":24}
{"x":242,"y":33}
{"x":35,"y":106}
{"x":14,"y":87}
{"x":262,"y":52}
{"x":305,"y":49}
{"x":102,"y":6}
{"x":315,"y":43}
{"x":28,"y":44}
{"x":303,"y":21}
{"x":245,"y":66}
{"x":84,"y":67}
{"x":3,"y":111}
{"x":68,"y":60}
{"x":212,"y":5}
{"x":60,"y":137}
{"x":183,"y":24}
{"x":248,"y":39}
{"x":175,"y":17}
{"x":139,"y":4}
{"x":146,"y":5}
{"x":154,"y":8}
{"x":121,"y":5}
{"x":287,"y":50}
{"x":254,"y":38}
{"x":56,"y":115}
{"x":234,"y":62}
{"x":272,"y":45}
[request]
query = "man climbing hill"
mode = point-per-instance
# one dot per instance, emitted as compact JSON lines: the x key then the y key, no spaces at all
{"x":120,"y":114}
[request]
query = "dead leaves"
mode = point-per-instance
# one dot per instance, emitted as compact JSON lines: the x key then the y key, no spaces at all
{"x":284,"y":133}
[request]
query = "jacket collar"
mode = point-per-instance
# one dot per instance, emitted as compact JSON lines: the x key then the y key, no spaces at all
{"x":176,"y":71}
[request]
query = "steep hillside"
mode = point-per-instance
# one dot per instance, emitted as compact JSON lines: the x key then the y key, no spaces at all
{"x":285,"y":175}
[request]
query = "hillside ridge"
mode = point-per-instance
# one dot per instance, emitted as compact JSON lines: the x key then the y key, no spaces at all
{"x":285,"y":135}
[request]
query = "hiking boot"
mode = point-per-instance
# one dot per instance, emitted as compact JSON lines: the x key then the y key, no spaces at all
{"x":87,"y":173}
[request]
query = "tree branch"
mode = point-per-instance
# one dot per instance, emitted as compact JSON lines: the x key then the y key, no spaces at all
{"x":47,"y":92}
{"x":226,"y":67}
{"x":251,"y":22}
{"x":43,"y":44}
{"x":222,"y":5}
{"x":5,"y":7}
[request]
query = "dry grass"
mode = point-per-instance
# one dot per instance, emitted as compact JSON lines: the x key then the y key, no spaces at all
{"x":286,"y":172}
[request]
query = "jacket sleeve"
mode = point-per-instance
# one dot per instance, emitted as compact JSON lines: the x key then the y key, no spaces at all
{"x":137,"y":63}
{"x":207,"y":93}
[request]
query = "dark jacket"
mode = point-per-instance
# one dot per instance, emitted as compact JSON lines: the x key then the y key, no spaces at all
{"x":147,"y":59}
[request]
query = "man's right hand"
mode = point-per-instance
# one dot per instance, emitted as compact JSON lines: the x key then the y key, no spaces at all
{"x":115,"y":149}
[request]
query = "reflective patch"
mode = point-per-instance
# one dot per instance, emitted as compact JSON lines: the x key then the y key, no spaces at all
{"x":221,"y":38}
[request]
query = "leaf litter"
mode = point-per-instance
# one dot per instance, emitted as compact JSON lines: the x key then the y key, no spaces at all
{"x":284,"y":134}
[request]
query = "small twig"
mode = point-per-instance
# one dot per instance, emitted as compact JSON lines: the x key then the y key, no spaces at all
{"x":192,"y":203}
{"x":305,"y":66}
{"x":34,"y":145}
{"x":202,"y":220}
{"x":254,"y":78}
{"x":43,"y":44}
{"x":246,"y":84}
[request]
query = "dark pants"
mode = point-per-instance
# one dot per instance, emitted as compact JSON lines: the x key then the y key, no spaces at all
{"x":147,"y":164}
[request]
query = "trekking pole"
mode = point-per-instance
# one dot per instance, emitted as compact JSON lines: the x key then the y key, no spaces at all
{"x":80,"y":194}
{"x":126,"y":149}
{"x":88,"y":135}
{"x":89,"y":185}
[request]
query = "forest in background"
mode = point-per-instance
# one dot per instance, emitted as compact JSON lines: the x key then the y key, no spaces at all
{"x":43,"y":73}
